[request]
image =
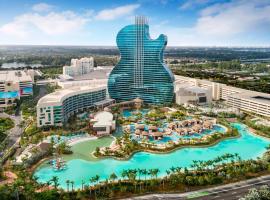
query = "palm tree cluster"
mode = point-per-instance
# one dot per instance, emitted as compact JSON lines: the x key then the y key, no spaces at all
{"x":222,"y":169}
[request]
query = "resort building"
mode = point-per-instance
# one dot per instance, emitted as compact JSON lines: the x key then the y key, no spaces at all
{"x":253,"y":102}
{"x":245,"y":100}
{"x":14,"y":85}
{"x":103,"y":123}
{"x":79,"y":67}
{"x":141,"y":71}
{"x":54,"y":109}
{"x":187,"y":94}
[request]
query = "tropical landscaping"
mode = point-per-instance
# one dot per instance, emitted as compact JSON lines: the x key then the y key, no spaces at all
{"x":180,"y":173}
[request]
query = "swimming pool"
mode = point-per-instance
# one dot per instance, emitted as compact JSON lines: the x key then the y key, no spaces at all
{"x":248,"y":146}
{"x":12,"y":94}
{"x":128,"y":113}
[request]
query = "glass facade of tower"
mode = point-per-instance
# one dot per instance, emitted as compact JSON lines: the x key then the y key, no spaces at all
{"x":141,"y":71}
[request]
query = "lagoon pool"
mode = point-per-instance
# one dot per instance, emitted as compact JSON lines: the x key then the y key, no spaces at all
{"x":248,"y":146}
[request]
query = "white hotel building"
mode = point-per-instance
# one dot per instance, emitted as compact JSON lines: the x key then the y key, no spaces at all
{"x":245,"y":100}
{"x":79,"y":67}
{"x":14,"y":84}
{"x":55,"y":108}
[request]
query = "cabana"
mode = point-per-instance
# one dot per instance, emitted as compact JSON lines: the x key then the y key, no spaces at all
{"x":140,"y":126}
{"x":137,"y":132}
{"x":197,"y":128}
{"x":152,"y":128}
{"x":145,"y":134}
{"x":157,"y":135}
{"x":207,"y":125}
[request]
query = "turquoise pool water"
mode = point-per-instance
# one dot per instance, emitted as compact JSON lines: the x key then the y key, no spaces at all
{"x":27,"y":90}
{"x":128,"y":113}
{"x":248,"y":146}
{"x":12,"y":94}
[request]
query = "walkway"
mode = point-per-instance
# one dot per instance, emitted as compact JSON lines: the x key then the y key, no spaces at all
{"x":15,"y":133}
{"x":232,"y":191}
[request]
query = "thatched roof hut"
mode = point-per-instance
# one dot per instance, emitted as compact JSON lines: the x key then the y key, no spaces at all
{"x":157,"y":134}
{"x":140,"y":126}
{"x":137,"y":132}
{"x":153,"y":128}
{"x":145,"y":133}
{"x":197,"y":128}
{"x":207,"y":124}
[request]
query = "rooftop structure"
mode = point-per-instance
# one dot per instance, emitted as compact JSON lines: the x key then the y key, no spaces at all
{"x":103,"y":123}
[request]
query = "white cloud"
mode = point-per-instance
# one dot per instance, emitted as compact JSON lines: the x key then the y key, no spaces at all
{"x":51,"y":23}
{"x":234,"y":17}
{"x":42,"y":7}
{"x":189,"y":4}
{"x":111,"y":14}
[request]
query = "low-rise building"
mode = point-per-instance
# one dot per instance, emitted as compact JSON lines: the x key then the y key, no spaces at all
{"x":103,"y":123}
{"x":245,"y":100}
{"x":193,"y":95}
{"x":254,"y":102}
{"x":14,"y":84}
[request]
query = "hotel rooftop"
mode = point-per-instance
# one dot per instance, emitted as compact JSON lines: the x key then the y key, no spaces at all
{"x":14,"y":76}
{"x":60,"y":95}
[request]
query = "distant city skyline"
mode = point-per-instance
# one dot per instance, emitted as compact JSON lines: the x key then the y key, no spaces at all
{"x":96,"y":23}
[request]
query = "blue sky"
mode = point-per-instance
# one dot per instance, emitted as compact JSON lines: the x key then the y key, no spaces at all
{"x":96,"y":22}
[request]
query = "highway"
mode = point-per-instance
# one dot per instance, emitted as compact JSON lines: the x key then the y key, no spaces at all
{"x":232,"y":191}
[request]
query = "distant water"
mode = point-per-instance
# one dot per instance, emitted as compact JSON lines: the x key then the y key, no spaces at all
{"x":248,"y":146}
{"x":17,"y":65}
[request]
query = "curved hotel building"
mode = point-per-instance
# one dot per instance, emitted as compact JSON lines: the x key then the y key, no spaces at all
{"x":141,"y":71}
{"x":54,"y":109}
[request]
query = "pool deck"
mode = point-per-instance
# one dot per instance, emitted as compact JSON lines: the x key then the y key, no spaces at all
{"x":81,"y":139}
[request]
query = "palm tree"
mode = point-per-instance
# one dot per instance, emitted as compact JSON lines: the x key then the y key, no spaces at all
{"x":140,"y":172}
{"x":83,"y":182}
{"x":92,"y":180}
{"x":155,"y":172}
{"x":72,"y":185}
{"x":124,"y":174}
{"x":97,"y":177}
{"x":144,"y":172}
{"x":55,"y":181}
{"x":113,"y":177}
{"x":67,"y":182}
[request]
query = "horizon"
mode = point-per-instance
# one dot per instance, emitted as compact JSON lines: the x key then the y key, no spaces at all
{"x":115,"y":46}
{"x":187,"y":23}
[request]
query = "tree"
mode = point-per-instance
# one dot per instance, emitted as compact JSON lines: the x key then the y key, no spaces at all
{"x":55,"y":181}
{"x":68,"y":182}
{"x":113,"y":177}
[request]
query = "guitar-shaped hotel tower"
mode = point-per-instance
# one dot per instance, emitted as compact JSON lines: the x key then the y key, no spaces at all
{"x":141,"y":71}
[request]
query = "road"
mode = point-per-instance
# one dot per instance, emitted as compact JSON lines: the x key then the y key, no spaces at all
{"x":225,"y":192}
{"x":15,"y":133}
